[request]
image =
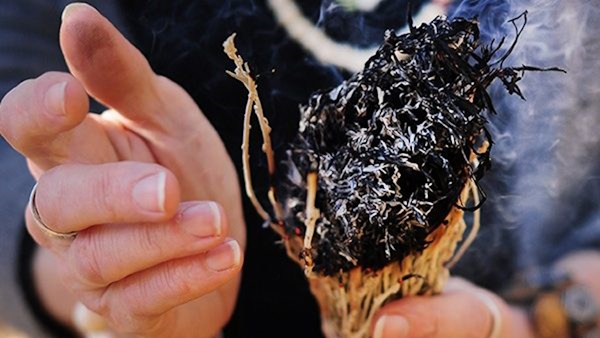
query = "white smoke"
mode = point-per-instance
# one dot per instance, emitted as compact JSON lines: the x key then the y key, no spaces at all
{"x":548,"y":146}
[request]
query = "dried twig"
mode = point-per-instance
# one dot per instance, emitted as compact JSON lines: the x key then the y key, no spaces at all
{"x":312,"y":214}
{"x":242,"y":74}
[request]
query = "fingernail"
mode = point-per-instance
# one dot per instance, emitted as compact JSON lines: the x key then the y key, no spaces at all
{"x":224,"y":257}
{"x":391,"y":326}
{"x":55,"y":98}
{"x":207,"y":219}
{"x":70,"y":7}
{"x":149,"y":192}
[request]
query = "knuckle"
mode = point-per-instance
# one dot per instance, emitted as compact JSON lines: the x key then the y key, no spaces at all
{"x":36,"y":233}
{"x":113,"y":308}
{"x":46,"y":202}
{"x":150,"y":240}
{"x":105,"y":195}
{"x":87,"y":264}
{"x":135,"y":299}
{"x":122,"y":320}
{"x":134,"y":296}
{"x":94,"y":301}
{"x":105,"y":305}
{"x":177,"y":279}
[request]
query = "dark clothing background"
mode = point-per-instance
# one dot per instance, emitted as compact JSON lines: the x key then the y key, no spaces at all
{"x":183,"y":41}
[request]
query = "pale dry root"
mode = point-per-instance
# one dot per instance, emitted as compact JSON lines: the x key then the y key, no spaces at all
{"x":349,"y":301}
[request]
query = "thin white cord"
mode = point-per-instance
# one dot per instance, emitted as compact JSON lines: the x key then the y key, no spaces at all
{"x":494,"y":312}
{"x":322,"y":47}
{"x":361,"y":5}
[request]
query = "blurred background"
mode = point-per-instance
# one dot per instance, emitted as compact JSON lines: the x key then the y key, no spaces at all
{"x":8,"y":332}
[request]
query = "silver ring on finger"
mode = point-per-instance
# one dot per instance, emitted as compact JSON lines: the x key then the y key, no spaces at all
{"x":495,"y":313}
{"x":40,"y":223}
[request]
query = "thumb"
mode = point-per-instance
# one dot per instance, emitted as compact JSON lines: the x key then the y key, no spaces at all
{"x":117,"y":74}
{"x":463,"y":310}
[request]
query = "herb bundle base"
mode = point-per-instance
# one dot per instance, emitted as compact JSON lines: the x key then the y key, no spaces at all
{"x":349,"y":301}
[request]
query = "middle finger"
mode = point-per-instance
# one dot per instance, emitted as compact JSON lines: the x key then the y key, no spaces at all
{"x":108,"y":253}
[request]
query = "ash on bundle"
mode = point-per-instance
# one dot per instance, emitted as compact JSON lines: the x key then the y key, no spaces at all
{"x":392,"y":145}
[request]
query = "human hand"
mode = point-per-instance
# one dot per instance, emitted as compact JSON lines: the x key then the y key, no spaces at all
{"x":462,"y":310}
{"x":147,"y":262}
